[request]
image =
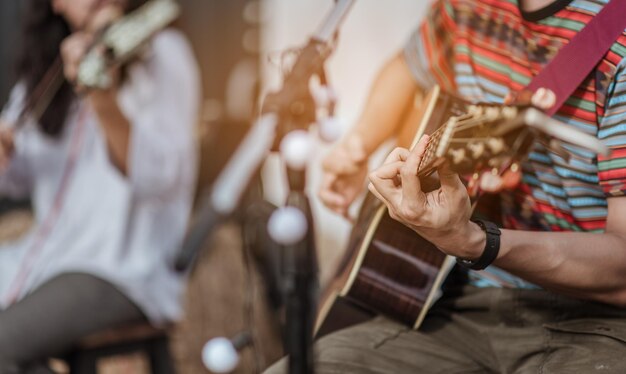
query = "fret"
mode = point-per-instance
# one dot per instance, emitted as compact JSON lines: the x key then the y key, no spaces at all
{"x":429,"y":153}
{"x":447,"y":134}
{"x":474,"y":143}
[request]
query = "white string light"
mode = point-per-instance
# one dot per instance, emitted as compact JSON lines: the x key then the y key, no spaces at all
{"x":220,"y":356}
{"x":296,"y":148}
{"x":287,"y":225}
{"x":330,"y":129}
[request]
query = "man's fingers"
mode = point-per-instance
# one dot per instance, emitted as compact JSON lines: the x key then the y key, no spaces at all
{"x":385,"y":181}
{"x":410,"y":181}
{"x":333,"y":201}
{"x":328,"y":195}
{"x":398,"y":154}
{"x":388,"y":171}
{"x":347,"y":157}
{"x":331,"y":198}
{"x":340,"y":167}
{"x":449,"y":179}
{"x":375,"y":192}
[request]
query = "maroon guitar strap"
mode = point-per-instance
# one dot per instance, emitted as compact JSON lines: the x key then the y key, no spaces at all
{"x":573,"y":63}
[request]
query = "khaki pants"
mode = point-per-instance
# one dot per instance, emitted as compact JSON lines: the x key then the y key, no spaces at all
{"x":485,"y":330}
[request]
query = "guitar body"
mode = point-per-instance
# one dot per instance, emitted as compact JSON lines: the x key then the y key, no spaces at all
{"x":391,"y":271}
{"x":388,"y":268}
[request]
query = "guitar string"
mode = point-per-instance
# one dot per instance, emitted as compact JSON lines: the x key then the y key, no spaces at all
{"x":463,"y":124}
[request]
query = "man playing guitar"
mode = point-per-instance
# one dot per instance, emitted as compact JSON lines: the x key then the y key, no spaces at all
{"x":554,"y":297}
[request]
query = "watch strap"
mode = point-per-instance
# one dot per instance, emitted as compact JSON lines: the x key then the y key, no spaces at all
{"x":492,"y":246}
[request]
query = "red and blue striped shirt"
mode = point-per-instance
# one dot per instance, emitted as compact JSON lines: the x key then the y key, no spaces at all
{"x":483,"y":50}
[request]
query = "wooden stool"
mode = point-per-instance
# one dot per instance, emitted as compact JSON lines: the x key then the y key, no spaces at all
{"x":139,"y":348}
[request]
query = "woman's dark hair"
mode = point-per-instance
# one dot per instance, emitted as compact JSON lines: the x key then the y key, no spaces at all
{"x":42,"y":34}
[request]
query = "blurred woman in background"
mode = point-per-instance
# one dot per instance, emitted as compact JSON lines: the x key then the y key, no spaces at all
{"x":111,"y":175}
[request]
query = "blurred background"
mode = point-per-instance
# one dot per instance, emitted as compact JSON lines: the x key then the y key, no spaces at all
{"x":237,"y":43}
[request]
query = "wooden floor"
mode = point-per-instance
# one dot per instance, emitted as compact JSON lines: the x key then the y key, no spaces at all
{"x":215,"y":307}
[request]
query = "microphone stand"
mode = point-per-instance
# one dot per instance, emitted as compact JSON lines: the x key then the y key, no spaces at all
{"x":290,"y":108}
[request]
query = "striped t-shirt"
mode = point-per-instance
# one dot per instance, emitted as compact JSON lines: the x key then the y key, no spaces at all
{"x":484,"y":49}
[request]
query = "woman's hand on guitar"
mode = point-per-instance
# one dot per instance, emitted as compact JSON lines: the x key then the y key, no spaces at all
{"x":441,"y":216}
{"x":344,"y":173}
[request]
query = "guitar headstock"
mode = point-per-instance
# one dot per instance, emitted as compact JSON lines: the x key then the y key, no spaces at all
{"x":483,"y":137}
{"x":492,"y":137}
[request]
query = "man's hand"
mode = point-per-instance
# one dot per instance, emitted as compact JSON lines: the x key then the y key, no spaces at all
{"x":344,"y":173}
{"x":441,"y":216}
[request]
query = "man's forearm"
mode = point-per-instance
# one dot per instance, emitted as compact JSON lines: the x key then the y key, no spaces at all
{"x":390,"y":96}
{"x":584,"y":265}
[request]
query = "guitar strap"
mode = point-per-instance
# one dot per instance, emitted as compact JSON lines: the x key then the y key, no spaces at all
{"x":576,"y":60}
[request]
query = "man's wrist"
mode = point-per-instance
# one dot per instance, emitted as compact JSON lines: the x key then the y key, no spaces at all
{"x":476,"y":240}
{"x":354,"y":143}
{"x":466,"y":242}
{"x":490,"y":251}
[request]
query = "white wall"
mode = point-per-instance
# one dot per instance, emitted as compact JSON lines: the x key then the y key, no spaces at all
{"x":374,"y":31}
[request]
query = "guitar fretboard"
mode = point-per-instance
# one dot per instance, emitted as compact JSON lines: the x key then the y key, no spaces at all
{"x":430,"y":153}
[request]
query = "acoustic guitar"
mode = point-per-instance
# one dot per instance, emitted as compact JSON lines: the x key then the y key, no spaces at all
{"x":389,"y":269}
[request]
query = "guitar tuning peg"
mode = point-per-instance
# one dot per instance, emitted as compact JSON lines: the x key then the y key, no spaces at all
{"x":509,"y":112}
{"x":494,"y":162}
{"x":458,"y":155}
{"x":491,"y":181}
{"x":477,"y":149}
{"x":492,"y":113}
{"x":474,"y":109}
{"x":495,"y":145}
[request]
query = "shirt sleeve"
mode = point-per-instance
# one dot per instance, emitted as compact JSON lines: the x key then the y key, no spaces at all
{"x":612,"y":131}
{"x":15,"y":181}
{"x":429,"y":50}
{"x":162,"y":153}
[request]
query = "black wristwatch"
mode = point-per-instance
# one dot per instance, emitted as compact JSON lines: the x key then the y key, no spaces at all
{"x":492,"y":247}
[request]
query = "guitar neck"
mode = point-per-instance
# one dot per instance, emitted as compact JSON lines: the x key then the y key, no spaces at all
{"x":429,"y":156}
{"x":434,"y":149}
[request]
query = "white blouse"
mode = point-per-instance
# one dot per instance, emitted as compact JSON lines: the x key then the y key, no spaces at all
{"x":124,"y":229}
